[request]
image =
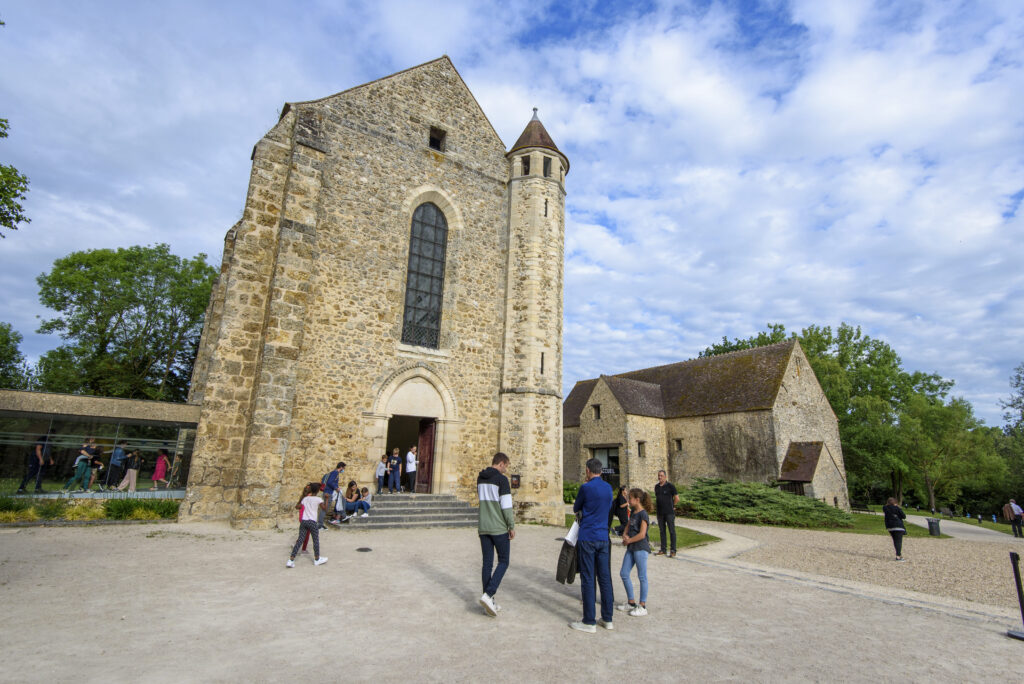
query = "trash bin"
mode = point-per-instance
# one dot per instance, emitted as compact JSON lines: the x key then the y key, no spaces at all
{"x":933,"y":526}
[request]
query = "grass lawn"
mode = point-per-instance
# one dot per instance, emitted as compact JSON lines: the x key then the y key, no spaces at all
{"x":987,"y":524}
{"x":685,"y":537}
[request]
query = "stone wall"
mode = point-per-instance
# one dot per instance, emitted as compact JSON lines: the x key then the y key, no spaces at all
{"x":802,"y":413}
{"x":308,"y":365}
{"x":732,"y":446}
{"x":642,"y":471}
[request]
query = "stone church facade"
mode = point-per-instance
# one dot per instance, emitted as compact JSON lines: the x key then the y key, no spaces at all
{"x":395,"y":280}
{"x":752,"y":415}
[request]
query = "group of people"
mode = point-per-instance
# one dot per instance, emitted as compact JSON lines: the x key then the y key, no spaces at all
{"x":124,"y":465}
{"x":392,"y":470}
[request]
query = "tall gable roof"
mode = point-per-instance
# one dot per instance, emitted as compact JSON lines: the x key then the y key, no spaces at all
{"x":573,"y":405}
{"x":746,"y":380}
{"x":637,"y":398}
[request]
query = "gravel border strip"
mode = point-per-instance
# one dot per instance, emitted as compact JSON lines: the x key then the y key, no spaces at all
{"x":82,"y":523}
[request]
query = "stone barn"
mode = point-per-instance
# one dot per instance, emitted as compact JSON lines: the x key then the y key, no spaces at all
{"x":395,"y":280}
{"x":753,"y":415}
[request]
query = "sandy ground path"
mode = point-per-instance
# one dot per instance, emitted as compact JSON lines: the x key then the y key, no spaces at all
{"x":172,"y":603}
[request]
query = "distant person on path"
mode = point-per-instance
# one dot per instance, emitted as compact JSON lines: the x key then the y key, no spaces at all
{"x":1012,"y":512}
{"x":410,"y":470}
{"x":310,"y":505}
{"x":134,"y":465}
{"x":116,"y":470}
{"x":593,"y":549}
{"x":667,"y":497}
{"x":638,"y":548}
{"x":496,"y":527}
{"x":163,"y":463}
{"x":81,"y":474}
{"x":394,"y":472}
{"x":620,"y":510}
{"x":39,"y":459}
{"x":382,"y":473}
{"x":894,"y":517}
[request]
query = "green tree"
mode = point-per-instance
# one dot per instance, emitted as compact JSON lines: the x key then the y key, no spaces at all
{"x":131,"y":318}
{"x":1014,"y":406}
{"x":14,"y":372}
{"x":13,"y":187}
{"x":945,"y":446}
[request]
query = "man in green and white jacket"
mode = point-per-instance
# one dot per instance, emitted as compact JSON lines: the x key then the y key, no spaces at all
{"x":496,"y":527}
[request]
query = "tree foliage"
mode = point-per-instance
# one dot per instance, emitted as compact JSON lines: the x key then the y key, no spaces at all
{"x":14,"y":371}
{"x":131,"y":318}
{"x":13,"y":186}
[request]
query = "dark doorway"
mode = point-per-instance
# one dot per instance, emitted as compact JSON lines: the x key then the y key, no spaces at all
{"x":609,"y":458}
{"x":408,"y":431}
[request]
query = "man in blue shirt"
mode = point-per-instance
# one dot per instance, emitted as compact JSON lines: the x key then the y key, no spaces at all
{"x":116,"y":470}
{"x":593,"y":550}
{"x":330,"y":483}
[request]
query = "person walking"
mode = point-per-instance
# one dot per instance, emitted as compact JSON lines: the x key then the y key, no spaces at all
{"x":116,"y":470}
{"x":39,"y":458}
{"x":1012,"y":512}
{"x":666,"y":497}
{"x":331,"y":484}
{"x":894,"y":517}
{"x":310,"y":505}
{"x":381,"y":473}
{"x":638,"y":548}
{"x":410,"y":470}
{"x":593,"y":549}
{"x":81,"y":474}
{"x":131,"y":476}
{"x":163,"y":462}
{"x":394,"y":472}
{"x":496,"y":527}
{"x":95,"y":466}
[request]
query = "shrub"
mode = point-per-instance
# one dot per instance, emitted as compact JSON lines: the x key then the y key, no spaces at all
{"x":569,"y":491}
{"x":27,"y":515}
{"x":8,"y":504}
{"x":85,"y":510}
{"x":756,"y":503}
{"x":50,"y":509}
{"x":141,"y":509}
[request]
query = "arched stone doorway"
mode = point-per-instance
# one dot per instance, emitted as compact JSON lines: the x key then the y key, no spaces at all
{"x":415,"y":407}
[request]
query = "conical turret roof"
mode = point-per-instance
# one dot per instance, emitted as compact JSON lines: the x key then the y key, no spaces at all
{"x":535,"y":135}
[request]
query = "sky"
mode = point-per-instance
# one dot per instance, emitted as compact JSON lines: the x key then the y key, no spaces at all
{"x":733,"y":163}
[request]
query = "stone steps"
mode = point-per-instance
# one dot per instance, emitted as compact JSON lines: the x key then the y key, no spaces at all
{"x":419,"y":510}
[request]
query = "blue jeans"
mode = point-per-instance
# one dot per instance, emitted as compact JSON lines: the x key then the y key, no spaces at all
{"x":380,"y":483}
{"x":488,"y":544}
{"x":638,"y":558}
{"x":394,"y":480}
{"x":353,"y":506}
{"x":594,"y":559}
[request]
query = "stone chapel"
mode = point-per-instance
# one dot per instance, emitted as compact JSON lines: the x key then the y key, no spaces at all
{"x":395,"y":280}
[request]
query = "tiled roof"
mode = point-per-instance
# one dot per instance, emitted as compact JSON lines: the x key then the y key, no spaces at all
{"x":745,"y":380}
{"x":637,"y":398}
{"x":801,"y":461}
{"x":534,"y":135}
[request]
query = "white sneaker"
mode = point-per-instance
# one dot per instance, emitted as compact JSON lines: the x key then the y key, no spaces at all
{"x":580,"y":627}
{"x":625,"y":607}
{"x":639,"y":611}
{"x":606,"y":625}
{"x":488,"y":603}
{"x":320,"y":561}
{"x":290,"y":563}
{"x":365,"y":515}
{"x":496,"y":606}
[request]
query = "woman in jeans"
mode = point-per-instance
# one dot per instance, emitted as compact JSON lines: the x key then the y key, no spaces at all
{"x":353,"y":502}
{"x":894,"y":517}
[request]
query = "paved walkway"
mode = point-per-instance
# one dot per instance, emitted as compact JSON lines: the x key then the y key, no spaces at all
{"x":208,"y":603}
{"x":961,"y":530}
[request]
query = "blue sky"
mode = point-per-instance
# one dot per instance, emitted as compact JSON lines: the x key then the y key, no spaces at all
{"x":733,"y":163}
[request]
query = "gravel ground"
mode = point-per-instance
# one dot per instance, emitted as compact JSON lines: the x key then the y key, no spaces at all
{"x":955,"y":568}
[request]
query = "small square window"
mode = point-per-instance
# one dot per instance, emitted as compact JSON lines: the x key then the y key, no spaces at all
{"x":526,"y":166}
{"x":597,"y":412}
{"x":641,"y":449}
{"x":437,"y":139}
{"x":547,"y":167}
{"x":679,"y":445}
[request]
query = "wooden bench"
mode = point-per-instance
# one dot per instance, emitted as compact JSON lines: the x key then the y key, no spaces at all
{"x":860,"y":506}
{"x":946,"y":512}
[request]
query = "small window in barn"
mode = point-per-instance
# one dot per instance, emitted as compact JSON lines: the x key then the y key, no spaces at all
{"x":545,"y":207}
{"x":437,"y":139}
{"x":679,"y":445}
{"x":542,"y":363}
{"x":597,"y":412}
{"x":641,"y":449}
{"x":526,"y":166}
{"x":547,"y":167}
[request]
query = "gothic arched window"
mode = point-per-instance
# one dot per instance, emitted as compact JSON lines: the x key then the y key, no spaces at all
{"x":421,"y":324}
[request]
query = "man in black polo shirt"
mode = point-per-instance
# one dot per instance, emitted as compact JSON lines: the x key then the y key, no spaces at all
{"x":39,"y":458}
{"x":666,"y":497}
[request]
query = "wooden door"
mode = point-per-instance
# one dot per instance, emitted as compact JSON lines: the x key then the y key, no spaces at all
{"x":425,"y":452}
